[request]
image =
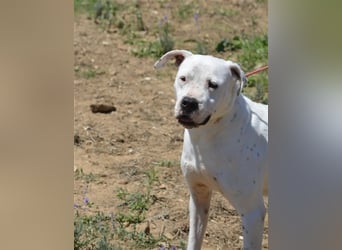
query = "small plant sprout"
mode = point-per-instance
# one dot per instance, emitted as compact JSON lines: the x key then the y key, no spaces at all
{"x":196,"y":17}
{"x":165,"y":39}
{"x":201,"y":49}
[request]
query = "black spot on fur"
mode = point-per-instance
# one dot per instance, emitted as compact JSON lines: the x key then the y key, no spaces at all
{"x":234,"y":117}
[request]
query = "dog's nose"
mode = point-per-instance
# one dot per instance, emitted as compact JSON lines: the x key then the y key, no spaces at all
{"x":189,"y":104}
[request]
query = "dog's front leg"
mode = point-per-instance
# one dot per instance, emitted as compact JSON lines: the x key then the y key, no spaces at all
{"x":200,"y":196}
{"x":252,"y":225}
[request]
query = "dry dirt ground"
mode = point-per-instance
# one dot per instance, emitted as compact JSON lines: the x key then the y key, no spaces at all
{"x":118,"y":148}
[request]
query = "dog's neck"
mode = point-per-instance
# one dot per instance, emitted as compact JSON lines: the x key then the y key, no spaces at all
{"x":239,"y":115}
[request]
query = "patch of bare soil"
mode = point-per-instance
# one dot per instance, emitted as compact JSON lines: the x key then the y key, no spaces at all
{"x":138,"y":131}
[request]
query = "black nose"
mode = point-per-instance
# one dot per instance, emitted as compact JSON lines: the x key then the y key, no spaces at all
{"x":189,"y":104}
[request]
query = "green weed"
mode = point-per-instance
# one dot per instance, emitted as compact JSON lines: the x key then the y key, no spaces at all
{"x":129,"y":218}
{"x":185,"y":10}
{"x":80,"y":175}
{"x":201,"y":49}
{"x":144,"y":49}
{"x":133,"y":212}
{"x":156,"y":48}
{"x":152,"y":177}
{"x":140,"y":201}
{"x":252,"y":52}
{"x":166,"y":163}
{"x":165,"y":39}
{"x":93,"y":232}
{"x":99,"y":230}
{"x":140,"y":21}
{"x":88,"y":73}
{"x":233,"y":44}
{"x":182,"y":245}
{"x":105,"y":12}
{"x":84,"y":5}
{"x":226,"y":12}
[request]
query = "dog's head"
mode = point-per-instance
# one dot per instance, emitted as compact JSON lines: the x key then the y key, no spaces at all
{"x":206,"y":87}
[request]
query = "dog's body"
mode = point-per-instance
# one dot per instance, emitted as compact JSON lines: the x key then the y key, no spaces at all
{"x":225,"y":142}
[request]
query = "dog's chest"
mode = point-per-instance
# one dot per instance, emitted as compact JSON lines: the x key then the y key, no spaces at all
{"x":205,"y":160}
{"x":235,"y":161}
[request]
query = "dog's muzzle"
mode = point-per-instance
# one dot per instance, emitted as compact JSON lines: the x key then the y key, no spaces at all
{"x":188,"y":106}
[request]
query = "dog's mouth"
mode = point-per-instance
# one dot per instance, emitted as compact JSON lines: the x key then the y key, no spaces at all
{"x":188,"y":123}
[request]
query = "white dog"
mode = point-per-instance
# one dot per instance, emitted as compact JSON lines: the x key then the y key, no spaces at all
{"x":225,"y":142}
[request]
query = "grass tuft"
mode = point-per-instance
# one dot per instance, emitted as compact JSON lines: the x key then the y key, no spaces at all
{"x":252,"y":52}
{"x":99,"y":231}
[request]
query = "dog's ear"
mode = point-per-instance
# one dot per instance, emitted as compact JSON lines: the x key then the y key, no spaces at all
{"x":238,"y":75}
{"x":178,"y":55}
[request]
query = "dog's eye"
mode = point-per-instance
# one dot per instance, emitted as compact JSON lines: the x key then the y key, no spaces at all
{"x":212,"y":85}
{"x":183,"y":78}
